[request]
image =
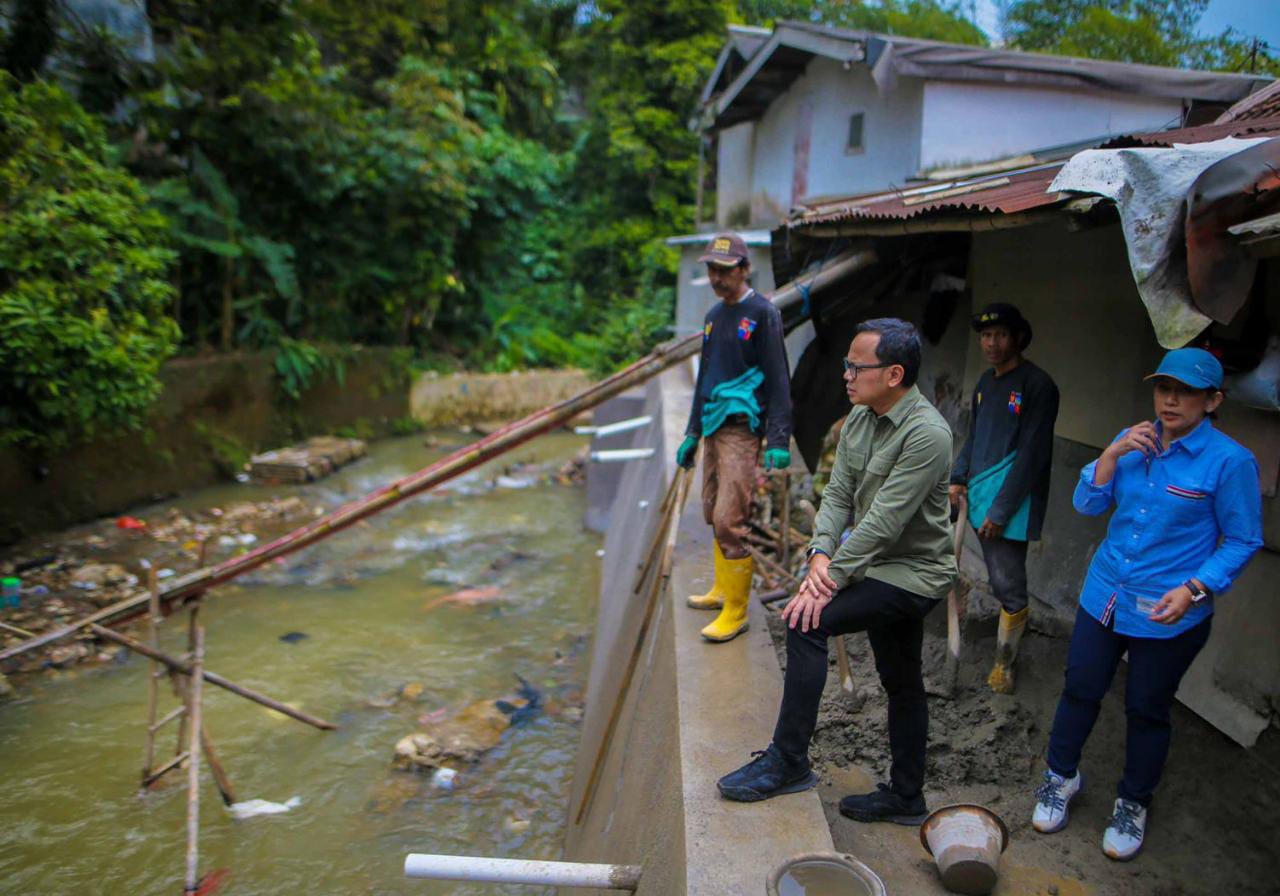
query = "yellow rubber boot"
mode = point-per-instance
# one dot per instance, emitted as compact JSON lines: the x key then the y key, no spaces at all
{"x":1010,"y":633}
{"x":713,"y":599}
{"x":732,"y":620}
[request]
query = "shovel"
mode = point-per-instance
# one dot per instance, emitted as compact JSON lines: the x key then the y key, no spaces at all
{"x":951,"y":666}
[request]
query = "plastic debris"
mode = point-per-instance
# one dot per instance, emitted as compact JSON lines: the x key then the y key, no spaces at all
{"x":250,"y":808}
{"x":444,"y":778}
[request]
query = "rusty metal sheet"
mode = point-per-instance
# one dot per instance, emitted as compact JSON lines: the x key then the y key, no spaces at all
{"x":1242,"y":186}
{"x":1007,"y":192}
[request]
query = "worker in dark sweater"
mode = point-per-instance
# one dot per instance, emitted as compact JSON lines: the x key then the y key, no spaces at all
{"x":743,"y":393}
{"x":1004,"y":470}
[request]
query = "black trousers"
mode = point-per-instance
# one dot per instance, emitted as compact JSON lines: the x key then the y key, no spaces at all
{"x":894,"y":622}
{"x":1007,"y":571}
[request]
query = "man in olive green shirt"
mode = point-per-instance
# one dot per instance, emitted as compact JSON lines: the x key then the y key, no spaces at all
{"x":888,"y":488}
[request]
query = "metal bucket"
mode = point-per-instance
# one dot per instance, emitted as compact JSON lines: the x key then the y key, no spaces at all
{"x":824,"y":874}
{"x":965,"y":842}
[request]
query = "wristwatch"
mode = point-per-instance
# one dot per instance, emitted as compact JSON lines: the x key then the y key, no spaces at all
{"x":1198,"y":592}
{"x":808,"y":555}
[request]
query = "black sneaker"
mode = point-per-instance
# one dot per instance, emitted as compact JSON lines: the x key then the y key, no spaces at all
{"x":884,"y":805}
{"x":770,"y":774}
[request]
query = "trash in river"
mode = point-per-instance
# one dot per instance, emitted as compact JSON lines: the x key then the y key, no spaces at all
{"x":165,"y":573}
{"x":212,"y":882}
{"x":293,"y":637}
{"x":466,"y":736}
{"x":444,"y":778}
{"x":95,"y":575}
{"x":251,"y":808}
{"x":468,"y":597}
{"x":130,"y":523}
{"x":515,"y":825}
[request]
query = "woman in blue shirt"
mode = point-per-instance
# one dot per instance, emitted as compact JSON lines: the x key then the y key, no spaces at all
{"x":1188,"y":517}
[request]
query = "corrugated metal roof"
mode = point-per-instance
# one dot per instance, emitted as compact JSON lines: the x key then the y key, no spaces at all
{"x":1202,"y":134}
{"x":1005,"y":193}
{"x":1263,"y":104}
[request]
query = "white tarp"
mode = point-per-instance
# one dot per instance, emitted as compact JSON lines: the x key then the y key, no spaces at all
{"x":1149,"y":186}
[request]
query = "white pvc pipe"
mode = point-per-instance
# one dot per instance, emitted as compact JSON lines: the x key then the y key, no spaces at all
{"x":620,"y":454}
{"x":610,"y":429}
{"x":522,"y":871}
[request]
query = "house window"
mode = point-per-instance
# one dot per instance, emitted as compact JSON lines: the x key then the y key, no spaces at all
{"x":854,"y":143}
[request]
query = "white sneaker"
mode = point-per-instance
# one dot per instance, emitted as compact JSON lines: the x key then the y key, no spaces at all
{"x":1123,"y":837}
{"x":1052,"y":799}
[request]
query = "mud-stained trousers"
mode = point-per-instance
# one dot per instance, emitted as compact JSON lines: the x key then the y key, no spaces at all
{"x":729,"y":459}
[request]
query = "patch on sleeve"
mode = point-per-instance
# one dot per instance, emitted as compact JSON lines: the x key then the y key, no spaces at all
{"x":1015,"y":403}
{"x":706,"y":331}
{"x":746,"y":327}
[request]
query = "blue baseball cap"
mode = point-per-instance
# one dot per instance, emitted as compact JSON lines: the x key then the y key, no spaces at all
{"x":1193,"y":366}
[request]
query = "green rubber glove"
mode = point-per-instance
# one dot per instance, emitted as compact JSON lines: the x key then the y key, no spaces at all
{"x":777,"y":459}
{"x":687,"y":451}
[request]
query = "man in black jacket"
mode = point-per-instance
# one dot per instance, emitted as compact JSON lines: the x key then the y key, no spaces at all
{"x":1004,"y":469}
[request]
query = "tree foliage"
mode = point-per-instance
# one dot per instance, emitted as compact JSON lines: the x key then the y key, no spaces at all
{"x":486,"y":183}
{"x":84,"y":293}
{"x":1155,"y":32}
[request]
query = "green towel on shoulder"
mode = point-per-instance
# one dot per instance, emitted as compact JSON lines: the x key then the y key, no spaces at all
{"x":737,"y":396}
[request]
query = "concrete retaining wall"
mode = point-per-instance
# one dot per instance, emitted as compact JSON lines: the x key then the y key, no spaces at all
{"x":692,"y":713}
{"x":446,"y":399}
{"x":212,"y":413}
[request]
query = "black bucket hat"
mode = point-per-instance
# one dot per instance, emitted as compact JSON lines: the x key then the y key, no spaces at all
{"x":1002,"y":314}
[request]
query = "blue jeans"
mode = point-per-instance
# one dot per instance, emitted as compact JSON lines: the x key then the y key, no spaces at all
{"x":1156,"y":666}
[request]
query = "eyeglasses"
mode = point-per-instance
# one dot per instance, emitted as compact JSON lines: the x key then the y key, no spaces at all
{"x":858,"y":368}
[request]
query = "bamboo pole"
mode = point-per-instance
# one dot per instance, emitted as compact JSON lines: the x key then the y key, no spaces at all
{"x":465,"y":458}
{"x":215,"y":765}
{"x":763,"y":560}
{"x":784,"y":544}
{"x":658,"y":586}
{"x":184,"y":668}
{"x":195,"y":691}
{"x":153,"y":683}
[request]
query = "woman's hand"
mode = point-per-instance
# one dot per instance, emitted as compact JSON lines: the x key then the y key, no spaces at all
{"x":1139,"y":437}
{"x":805,"y":608}
{"x":1173,"y":606}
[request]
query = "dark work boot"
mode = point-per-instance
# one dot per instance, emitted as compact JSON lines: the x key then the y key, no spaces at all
{"x":770,"y":774}
{"x":884,"y":805}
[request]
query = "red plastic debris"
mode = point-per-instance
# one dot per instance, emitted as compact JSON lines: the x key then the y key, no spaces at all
{"x":212,"y":881}
{"x":131,"y":523}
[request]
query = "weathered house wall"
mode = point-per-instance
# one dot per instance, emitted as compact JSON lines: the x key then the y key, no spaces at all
{"x":966,"y":123}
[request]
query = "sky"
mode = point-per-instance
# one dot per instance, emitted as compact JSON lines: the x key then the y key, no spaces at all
{"x":1257,"y":18}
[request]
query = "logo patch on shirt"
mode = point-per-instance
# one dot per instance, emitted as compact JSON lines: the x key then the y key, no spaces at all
{"x":746,"y":327}
{"x":1186,"y":493}
{"x":1015,"y":403}
{"x":706,"y":331}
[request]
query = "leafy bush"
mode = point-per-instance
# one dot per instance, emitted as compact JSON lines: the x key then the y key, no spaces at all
{"x":84,"y":293}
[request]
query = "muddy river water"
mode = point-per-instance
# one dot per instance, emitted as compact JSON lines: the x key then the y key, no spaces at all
{"x":379,"y":653}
